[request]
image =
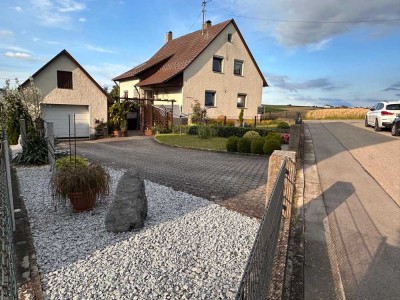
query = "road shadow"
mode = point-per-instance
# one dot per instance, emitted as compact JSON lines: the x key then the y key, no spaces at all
{"x":346,"y":239}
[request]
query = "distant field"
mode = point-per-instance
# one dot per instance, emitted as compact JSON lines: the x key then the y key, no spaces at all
{"x":312,"y":113}
{"x":336,"y":113}
{"x":289,"y":108}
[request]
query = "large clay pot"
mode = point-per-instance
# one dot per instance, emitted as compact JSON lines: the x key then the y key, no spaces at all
{"x":82,"y":201}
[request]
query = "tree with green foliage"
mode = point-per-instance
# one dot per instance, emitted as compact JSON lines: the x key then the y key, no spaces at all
{"x":199,"y":115}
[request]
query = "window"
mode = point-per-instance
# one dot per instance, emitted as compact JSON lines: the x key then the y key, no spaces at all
{"x":217,"y":64}
{"x":64,"y":80}
{"x":241,"y":100}
{"x":125,"y":94}
{"x":238,"y":67}
{"x":209,"y":98}
{"x":230,"y":37}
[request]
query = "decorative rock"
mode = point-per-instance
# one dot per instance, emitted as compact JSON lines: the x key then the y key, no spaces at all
{"x":129,"y":209}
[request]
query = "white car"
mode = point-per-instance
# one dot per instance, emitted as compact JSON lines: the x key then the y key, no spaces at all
{"x":382,"y":115}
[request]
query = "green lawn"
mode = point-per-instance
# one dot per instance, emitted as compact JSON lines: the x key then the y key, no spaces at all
{"x":192,"y":141}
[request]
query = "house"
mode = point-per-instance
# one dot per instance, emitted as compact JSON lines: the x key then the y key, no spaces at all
{"x":213,"y":66}
{"x":68,"y":90}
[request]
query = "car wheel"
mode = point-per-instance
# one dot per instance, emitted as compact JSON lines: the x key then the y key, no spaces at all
{"x":366,"y":122}
{"x":377,"y":128}
{"x":395,"y":131}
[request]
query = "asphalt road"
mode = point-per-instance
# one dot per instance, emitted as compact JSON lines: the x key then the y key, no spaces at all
{"x":359,"y":227}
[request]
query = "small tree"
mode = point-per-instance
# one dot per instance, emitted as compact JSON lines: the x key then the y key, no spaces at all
{"x":241,"y":117}
{"x":199,"y":115}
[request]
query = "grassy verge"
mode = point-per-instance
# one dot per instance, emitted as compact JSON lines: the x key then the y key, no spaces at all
{"x":192,"y":141}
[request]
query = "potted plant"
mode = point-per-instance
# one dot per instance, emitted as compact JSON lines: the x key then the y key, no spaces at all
{"x":118,"y":114}
{"x":79,"y":181}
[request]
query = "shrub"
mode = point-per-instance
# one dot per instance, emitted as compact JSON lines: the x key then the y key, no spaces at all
{"x":227,"y":131}
{"x":257,"y":145}
{"x":193,"y":130}
{"x":35,"y":152}
{"x":205,"y":132}
{"x":70,"y":162}
{"x":232,"y":143}
{"x":270,"y":145}
{"x":251,"y":134}
{"x":244,"y":145}
{"x":283,"y":125}
{"x":274,"y":136}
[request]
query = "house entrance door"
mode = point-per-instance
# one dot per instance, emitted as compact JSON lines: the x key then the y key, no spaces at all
{"x":133,"y":120}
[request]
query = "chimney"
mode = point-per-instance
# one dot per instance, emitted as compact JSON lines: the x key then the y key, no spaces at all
{"x":207,"y":24}
{"x":168,"y":36}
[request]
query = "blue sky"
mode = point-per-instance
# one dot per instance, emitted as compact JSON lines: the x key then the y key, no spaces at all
{"x":311,"y":52}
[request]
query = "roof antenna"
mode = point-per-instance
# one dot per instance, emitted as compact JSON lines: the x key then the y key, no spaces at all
{"x":204,"y":15}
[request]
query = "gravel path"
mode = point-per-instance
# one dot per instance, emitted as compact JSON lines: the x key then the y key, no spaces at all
{"x":189,"y":248}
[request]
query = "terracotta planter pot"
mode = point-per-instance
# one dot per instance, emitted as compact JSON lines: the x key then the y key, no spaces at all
{"x":120,"y":133}
{"x":148,"y":132}
{"x":82,"y":201}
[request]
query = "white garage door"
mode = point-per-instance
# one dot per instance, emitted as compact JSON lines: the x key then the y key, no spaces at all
{"x":58,"y":114}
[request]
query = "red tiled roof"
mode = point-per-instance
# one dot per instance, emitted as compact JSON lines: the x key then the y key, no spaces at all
{"x":176,"y":55}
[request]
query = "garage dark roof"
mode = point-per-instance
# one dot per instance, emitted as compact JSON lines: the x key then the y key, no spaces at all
{"x":177,"y":54}
{"x":65,"y":52}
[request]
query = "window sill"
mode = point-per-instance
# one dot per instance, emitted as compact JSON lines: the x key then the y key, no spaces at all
{"x":210,"y":106}
{"x":238,"y":75}
{"x":241,"y":107}
{"x":218,"y":72}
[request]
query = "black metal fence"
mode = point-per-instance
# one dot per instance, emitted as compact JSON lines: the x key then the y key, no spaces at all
{"x":7,"y":225}
{"x":255,"y":281}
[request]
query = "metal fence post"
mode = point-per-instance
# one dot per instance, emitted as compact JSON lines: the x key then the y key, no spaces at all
{"x":22,"y":129}
{"x":50,"y":143}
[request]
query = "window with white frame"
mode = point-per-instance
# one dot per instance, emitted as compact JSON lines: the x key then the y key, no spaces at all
{"x":209,"y":98}
{"x":217,"y":64}
{"x":241,"y":100}
{"x":238,"y":67}
{"x":126,"y":94}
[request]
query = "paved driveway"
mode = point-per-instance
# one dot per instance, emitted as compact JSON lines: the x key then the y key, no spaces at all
{"x":235,"y":181}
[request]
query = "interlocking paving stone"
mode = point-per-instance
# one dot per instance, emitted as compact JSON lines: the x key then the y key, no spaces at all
{"x":234,"y":181}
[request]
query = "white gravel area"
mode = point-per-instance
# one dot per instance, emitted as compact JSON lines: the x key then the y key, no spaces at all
{"x":189,"y":248}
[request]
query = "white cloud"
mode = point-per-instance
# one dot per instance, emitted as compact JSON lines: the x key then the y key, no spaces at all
{"x":322,"y":45}
{"x":35,"y":39}
{"x":103,"y":73}
{"x":19,"y":55}
{"x":70,"y":6}
{"x":294,"y":32}
{"x":98,"y":49}
{"x":17,"y":8}
{"x":14,"y":48}
{"x":6,"y":33}
{"x":82,"y":20}
{"x":56,"y":13}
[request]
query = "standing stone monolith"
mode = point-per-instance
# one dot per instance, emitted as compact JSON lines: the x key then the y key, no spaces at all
{"x":129,"y":208}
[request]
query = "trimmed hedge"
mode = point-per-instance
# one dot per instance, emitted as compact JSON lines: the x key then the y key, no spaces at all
{"x":231,"y":144}
{"x":244,"y":145}
{"x":257,"y":145}
{"x":251,"y":134}
{"x":271,"y":145}
{"x":227,"y":131}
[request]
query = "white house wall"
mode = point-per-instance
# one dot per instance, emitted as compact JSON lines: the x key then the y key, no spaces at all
{"x":199,"y":77}
{"x":84,"y":91}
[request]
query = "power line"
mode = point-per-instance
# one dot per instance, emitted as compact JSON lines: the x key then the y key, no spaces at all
{"x":195,"y":21}
{"x":313,"y":22}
